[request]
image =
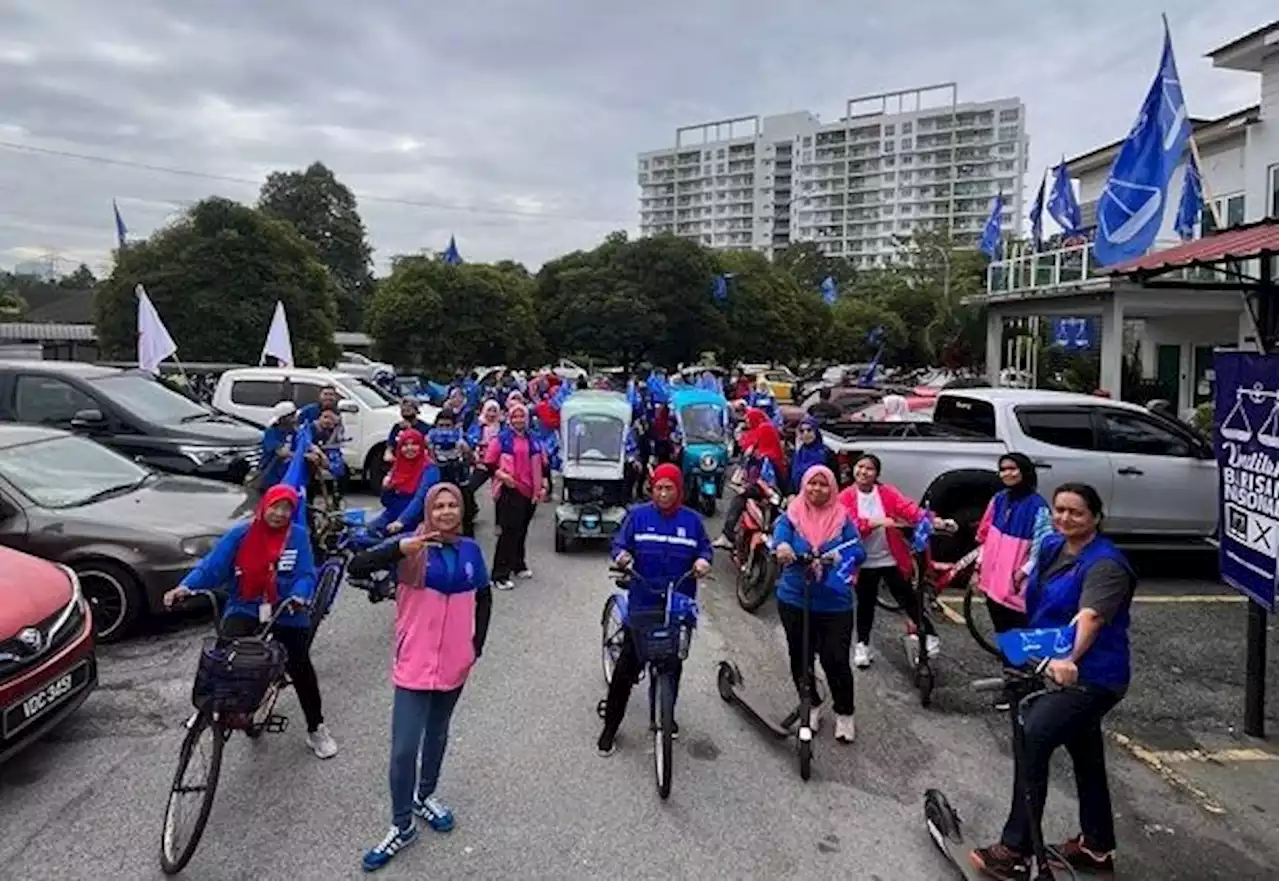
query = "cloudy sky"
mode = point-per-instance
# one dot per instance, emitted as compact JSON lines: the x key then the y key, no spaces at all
{"x":514,"y":124}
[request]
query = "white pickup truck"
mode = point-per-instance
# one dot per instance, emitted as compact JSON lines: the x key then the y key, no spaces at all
{"x":367,"y":412}
{"x":1157,"y":478}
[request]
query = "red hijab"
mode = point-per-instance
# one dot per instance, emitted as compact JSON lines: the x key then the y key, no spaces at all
{"x":548,"y":415}
{"x":763,"y":439}
{"x":669,"y":471}
{"x":406,"y":473}
{"x":260,"y":549}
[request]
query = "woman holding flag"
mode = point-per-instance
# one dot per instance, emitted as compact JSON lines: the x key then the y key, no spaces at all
{"x":816,"y":524}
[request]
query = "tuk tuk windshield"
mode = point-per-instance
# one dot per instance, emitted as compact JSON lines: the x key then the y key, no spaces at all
{"x":595,"y":437}
{"x":703,"y":423}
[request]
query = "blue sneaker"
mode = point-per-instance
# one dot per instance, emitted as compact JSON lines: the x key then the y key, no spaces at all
{"x":385,"y":851}
{"x":433,"y":811}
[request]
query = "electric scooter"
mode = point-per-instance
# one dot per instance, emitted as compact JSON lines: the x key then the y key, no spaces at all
{"x":1022,"y":685}
{"x":729,"y":683}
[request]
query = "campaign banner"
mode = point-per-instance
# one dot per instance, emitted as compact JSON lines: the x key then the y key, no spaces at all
{"x":1246,"y":442}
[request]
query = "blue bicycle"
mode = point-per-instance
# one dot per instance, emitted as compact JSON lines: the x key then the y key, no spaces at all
{"x":661,"y":630}
{"x":348,"y":536}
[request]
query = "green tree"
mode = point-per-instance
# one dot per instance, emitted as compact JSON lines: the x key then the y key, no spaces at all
{"x":215,"y":277}
{"x":769,"y":316}
{"x":324,"y":212}
{"x":809,"y":266}
{"x":937,"y":273}
{"x":79,"y":279}
{"x":431,"y":315}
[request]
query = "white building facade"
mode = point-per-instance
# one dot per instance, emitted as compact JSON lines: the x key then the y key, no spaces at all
{"x":893,"y":163}
{"x":1175,"y":331}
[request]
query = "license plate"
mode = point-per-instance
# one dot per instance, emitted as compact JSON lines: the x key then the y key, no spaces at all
{"x":44,"y":700}
{"x":590,"y":526}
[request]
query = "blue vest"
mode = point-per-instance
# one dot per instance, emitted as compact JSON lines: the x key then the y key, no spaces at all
{"x":507,"y":442}
{"x":1052,"y":601}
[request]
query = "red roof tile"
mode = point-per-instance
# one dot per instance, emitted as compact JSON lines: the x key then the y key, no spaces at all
{"x":1240,"y":243}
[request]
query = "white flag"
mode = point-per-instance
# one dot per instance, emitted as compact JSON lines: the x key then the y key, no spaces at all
{"x":278,"y":345}
{"x":154,"y":342}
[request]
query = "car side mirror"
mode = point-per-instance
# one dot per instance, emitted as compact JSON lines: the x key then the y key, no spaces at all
{"x":88,"y":420}
{"x":347,"y":406}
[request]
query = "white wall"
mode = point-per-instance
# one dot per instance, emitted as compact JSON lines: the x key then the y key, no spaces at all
{"x":1262,"y":146}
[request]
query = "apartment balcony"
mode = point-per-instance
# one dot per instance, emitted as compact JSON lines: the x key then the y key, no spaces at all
{"x":1021,"y":271}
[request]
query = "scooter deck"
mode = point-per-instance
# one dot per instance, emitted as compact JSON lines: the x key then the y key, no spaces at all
{"x":731,"y":687}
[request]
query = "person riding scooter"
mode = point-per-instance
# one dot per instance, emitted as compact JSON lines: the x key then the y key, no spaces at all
{"x":661,"y":540}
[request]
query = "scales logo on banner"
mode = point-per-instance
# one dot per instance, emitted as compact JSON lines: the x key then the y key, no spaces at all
{"x":1248,"y":444}
{"x":1072,"y":333}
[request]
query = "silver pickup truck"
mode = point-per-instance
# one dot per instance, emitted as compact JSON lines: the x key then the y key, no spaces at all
{"x":1158,"y":479}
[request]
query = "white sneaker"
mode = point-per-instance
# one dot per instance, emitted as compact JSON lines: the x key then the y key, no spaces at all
{"x":322,"y":742}
{"x":504,"y":584}
{"x":525,"y":573}
{"x":862,"y":656}
{"x":722,"y":543}
{"x":815,"y":718}
{"x":932,"y":645}
{"x":844,"y":729}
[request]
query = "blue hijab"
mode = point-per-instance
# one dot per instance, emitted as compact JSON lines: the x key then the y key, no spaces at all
{"x":807,"y":455}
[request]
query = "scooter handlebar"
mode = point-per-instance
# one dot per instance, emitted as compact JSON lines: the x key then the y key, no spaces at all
{"x":1035,"y":668}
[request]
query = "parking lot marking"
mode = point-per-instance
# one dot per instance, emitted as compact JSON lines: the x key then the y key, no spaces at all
{"x":1155,"y":761}
{"x":1153,"y":599}
{"x":1216,"y":756}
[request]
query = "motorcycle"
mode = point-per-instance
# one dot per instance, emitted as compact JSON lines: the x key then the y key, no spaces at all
{"x":752,"y":553}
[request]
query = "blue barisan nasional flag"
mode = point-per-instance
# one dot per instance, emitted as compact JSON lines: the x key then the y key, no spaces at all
{"x":122,"y":231}
{"x":989,"y":244}
{"x":1037,"y":217}
{"x":1192,"y":201}
{"x":296,"y":474}
{"x":1063,"y":206}
{"x":1131,"y":207}
{"x":451,"y":256}
{"x":830,"y":293}
{"x":720,"y":288}
{"x":875,"y":337}
{"x":1040,"y":644}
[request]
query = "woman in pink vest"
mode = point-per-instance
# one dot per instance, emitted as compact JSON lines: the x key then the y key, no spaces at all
{"x":518,"y":467}
{"x":1015,"y":522}
{"x":880,"y":509}
{"x":442,"y":617}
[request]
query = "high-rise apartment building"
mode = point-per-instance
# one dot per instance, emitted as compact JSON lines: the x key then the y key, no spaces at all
{"x":894,"y":162}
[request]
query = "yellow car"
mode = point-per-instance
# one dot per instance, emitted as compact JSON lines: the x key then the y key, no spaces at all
{"x":781,"y":384}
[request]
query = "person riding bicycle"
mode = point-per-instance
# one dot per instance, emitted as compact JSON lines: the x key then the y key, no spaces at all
{"x":661,"y":540}
{"x":262,"y":563}
{"x":1080,"y":578}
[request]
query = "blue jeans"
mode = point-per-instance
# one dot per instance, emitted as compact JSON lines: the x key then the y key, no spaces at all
{"x":419,"y":735}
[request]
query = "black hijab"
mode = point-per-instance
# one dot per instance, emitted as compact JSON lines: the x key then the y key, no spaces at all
{"x":1027,"y":485}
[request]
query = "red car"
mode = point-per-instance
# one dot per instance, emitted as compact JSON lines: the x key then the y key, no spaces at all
{"x":47,"y":662}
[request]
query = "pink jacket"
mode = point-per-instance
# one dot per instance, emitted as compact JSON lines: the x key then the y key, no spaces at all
{"x":1007,"y":558}
{"x":896,"y":506}
{"x":497,"y":460}
{"x":441,"y":623}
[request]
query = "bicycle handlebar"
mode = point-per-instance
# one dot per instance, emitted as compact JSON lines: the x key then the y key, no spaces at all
{"x":629,"y":571}
{"x":285,"y":605}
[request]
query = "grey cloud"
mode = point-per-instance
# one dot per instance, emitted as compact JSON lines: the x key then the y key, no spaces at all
{"x":516,"y":105}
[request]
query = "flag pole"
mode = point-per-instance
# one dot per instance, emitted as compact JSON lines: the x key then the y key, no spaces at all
{"x":1205,"y":192}
{"x":138,"y":296}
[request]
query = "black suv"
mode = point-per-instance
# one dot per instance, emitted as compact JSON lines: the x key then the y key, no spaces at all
{"x":131,"y":412}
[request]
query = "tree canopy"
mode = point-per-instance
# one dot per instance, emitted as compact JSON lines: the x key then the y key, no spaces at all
{"x":214,"y":277}
{"x":324,"y":212}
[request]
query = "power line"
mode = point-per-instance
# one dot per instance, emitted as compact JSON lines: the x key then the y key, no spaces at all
{"x":366,"y":197}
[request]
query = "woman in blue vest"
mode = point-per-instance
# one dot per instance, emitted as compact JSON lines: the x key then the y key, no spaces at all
{"x":1080,"y":577}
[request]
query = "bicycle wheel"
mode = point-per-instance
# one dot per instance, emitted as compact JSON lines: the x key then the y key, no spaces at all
{"x":885,"y":600}
{"x":664,"y":734}
{"x":612,"y":630}
{"x":326,"y":593}
{"x":978,"y":619}
{"x":177,"y":842}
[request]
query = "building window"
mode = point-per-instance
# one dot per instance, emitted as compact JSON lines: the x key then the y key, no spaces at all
{"x":1273,"y":191}
{"x":906,"y":128}
{"x":888,"y":129}
{"x":1230,"y":209}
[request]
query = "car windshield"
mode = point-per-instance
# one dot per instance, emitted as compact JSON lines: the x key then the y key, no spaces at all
{"x":66,"y":472}
{"x":368,"y":393}
{"x":595,"y":438}
{"x":703,"y":423}
{"x":150,"y":399}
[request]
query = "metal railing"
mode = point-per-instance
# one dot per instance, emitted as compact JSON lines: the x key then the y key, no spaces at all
{"x":1022,"y":269}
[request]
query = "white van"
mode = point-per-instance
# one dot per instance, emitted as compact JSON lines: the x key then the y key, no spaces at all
{"x":367,"y":411}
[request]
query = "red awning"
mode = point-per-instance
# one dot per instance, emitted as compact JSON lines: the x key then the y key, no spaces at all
{"x":1240,"y":243}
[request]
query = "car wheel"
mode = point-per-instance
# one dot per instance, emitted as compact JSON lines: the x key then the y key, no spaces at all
{"x":114,"y":595}
{"x":375,"y":469}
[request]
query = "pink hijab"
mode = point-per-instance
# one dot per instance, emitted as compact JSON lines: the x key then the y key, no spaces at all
{"x":817,"y":525}
{"x":413,"y":569}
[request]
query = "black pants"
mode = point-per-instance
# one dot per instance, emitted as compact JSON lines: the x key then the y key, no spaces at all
{"x":830,"y":639}
{"x":297,"y":642}
{"x":635,"y":474}
{"x":868,"y":586}
{"x":1070,"y":718}
{"x":625,"y":676}
{"x":1003,"y":618}
{"x":512,"y":512}
{"x":733,"y":513}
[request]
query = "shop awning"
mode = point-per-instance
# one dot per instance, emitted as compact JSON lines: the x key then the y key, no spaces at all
{"x":1238,"y":243}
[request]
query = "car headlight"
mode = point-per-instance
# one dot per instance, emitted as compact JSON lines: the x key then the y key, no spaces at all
{"x":205,"y":455}
{"x":709,"y":462}
{"x":198,"y":545}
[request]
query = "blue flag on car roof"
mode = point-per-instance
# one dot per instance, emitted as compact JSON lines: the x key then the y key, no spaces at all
{"x":296,"y":474}
{"x":1131,"y":207}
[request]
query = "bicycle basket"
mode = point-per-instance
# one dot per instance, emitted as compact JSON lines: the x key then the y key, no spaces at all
{"x":654,"y":639}
{"x":233,"y":675}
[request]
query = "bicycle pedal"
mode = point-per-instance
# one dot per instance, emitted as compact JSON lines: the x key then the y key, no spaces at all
{"x":276,"y":724}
